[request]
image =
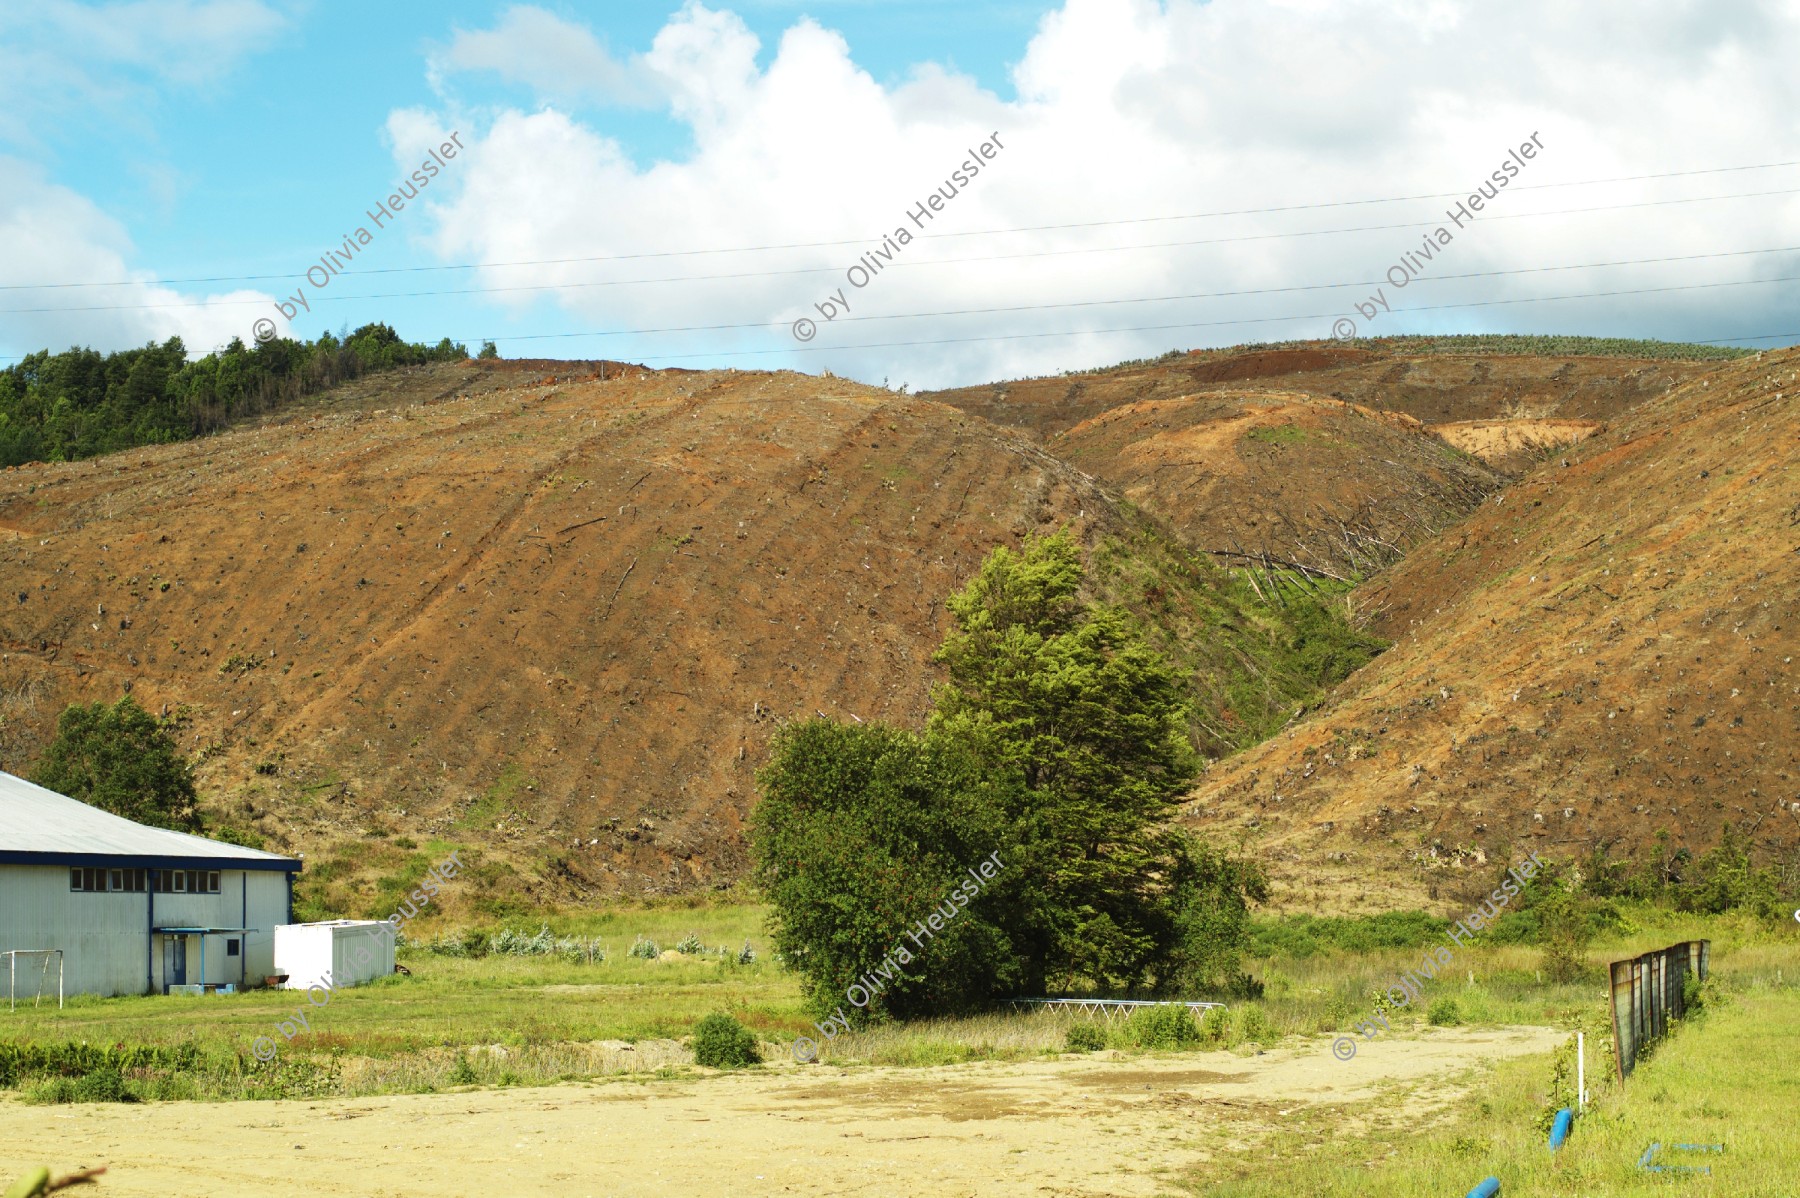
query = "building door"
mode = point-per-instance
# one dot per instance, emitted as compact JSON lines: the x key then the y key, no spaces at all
{"x":175,"y":960}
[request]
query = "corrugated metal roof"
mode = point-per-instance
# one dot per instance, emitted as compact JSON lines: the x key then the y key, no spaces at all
{"x":38,"y":821}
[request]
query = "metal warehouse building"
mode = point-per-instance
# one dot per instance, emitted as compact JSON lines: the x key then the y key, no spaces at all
{"x":133,"y":909}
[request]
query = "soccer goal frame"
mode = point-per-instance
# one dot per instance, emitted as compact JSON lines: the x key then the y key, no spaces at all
{"x":12,"y":974}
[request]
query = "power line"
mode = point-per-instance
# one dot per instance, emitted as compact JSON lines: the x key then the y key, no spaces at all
{"x":1397,"y":312}
{"x":317,"y":299}
{"x":1159,"y":299}
{"x":1758,"y":337}
{"x":863,"y":241}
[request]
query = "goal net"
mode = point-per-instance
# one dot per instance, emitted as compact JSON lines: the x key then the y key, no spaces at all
{"x":34,"y":963}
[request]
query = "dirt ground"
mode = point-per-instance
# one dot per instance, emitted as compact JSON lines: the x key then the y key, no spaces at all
{"x":1098,"y":1125}
{"x":1602,"y":653}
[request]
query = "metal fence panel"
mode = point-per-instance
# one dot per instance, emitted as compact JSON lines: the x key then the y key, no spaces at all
{"x":1647,"y":992}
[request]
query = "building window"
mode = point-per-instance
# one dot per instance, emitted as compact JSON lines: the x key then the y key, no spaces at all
{"x":231,"y":947}
{"x":103,"y":881}
{"x":89,"y":880}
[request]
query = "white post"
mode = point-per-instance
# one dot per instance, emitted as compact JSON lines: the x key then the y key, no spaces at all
{"x":1580,"y":1071}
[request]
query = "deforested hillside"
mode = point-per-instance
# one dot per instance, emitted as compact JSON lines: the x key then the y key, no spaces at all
{"x":1601,"y":655}
{"x":1431,"y":379}
{"x":1327,"y":457}
{"x":558,"y":617}
{"x":1279,"y":481}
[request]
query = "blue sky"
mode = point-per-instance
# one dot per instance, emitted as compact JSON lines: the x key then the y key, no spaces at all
{"x":169,"y":140}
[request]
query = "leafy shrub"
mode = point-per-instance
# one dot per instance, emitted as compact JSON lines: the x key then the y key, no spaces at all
{"x":1444,"y":1013}
{"x":690,"y":945}
{"x":1163,"y":1027}
{"x":1215,"y":1026}
{"x":644,"y":948}
{"x":1085,"y":1037}
{"x":1310,"y":935}
{"x":721,"y":1042}
{"x":462,"y":1073}
{"x":20,"y":1061}
{"x":1254,"y":1026}
{"x":747,"y":955}
{"x":105,"y":1084}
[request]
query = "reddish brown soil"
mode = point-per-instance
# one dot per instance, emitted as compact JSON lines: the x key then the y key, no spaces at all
{"x":1602,"y":652}
{"x":559,"y":620}
{"x":1431,"y":388}
{"x":1281,"y":477}
{"x":557,"y":617}
{"x":1329,"y":463}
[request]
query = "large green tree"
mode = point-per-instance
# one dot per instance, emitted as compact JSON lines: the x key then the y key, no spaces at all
{"x":120,"y":758}
{"x":1058,"y":740}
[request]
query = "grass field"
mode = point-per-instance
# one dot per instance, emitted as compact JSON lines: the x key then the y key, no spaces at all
{"x":531,"y":1019}
{"x":1726,"y":1077}
{"x":1426,"y":1118}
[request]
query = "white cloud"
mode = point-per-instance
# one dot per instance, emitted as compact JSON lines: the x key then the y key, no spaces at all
{"x":558,"y":59}
{"x":1131,"y":108}
{"x":53,"y":233}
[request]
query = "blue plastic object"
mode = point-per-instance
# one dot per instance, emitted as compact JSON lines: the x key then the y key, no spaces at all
{"x":1489,"y":1188}
{"x":1650,"y":1155}
{"x":1559,"y":1131}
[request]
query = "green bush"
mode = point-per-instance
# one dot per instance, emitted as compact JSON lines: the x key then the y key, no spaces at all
{"x":1215,"y":1027}
{"x":105,"y":1084}
{"x":721,"y":1042}
{"x":1086,"y":1037}
{"x":1310,"y":935}
{"x":645,"y":948}
{"x":1163,"y":1027}
{"x":1444,"y":1013}
{"x":1254,"y":1027}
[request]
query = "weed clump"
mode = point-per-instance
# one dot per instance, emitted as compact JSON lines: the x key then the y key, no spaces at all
{"x":1163,"y":1027}
{"x":1254,"y":1026}
{"x":1086,"y":1037}
{"x":721,"y":1042}
{"x":1444,"y":1013}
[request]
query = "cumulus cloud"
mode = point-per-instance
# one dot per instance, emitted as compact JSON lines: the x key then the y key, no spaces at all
{"x":1132,"y":109}
{"x":52,"y":233}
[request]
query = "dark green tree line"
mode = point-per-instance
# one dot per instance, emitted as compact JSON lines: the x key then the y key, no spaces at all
{"x":80,"y":403}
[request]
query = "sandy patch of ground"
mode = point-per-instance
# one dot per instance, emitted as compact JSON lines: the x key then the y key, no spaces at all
{"x":1510,"y":444}
{"x":1085,"y":1126}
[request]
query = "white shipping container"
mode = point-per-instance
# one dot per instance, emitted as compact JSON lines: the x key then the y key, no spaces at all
{"x":335,"y":953}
